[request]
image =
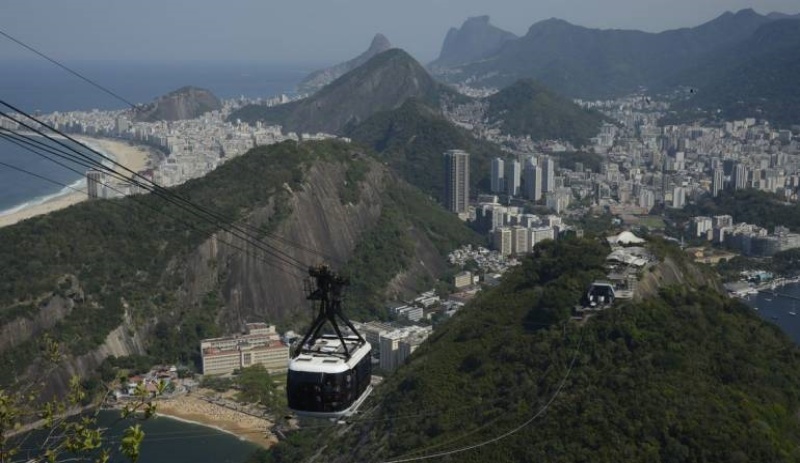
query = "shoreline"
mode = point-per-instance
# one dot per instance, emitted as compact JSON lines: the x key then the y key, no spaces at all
{"x":133,"y":157}
{"x":194,"y":410}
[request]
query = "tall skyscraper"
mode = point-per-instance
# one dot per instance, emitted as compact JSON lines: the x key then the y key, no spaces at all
{"x":739,"y":179}
{"x":717,"y":182}
{"x":533,"y":180}
{"x":94,"y":184}
{"x":548,"y":175}
{"x":513,"y":177}
{"x":456,"y":181}
{"x":498,"y":175}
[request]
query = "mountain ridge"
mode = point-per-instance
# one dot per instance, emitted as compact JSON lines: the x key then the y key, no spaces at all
{"x":318,"y":79}
{"x":384,"y":82}
{"x":581,"y":62}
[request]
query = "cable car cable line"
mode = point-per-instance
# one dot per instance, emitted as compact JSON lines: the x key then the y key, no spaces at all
{"x":153,"y":187}
{"x":141,"y":203}
{"x":192,"y":208}
{"x":68,"y":69}
{"x":511,"y":432}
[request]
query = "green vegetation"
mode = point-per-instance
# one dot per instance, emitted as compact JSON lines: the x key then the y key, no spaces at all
{"x":386,"y":250}
{"x":126,"y":252}
{"x":590,"y":161}
{"x":35,"y":428}
{"x":528,"y":108}
{"x":688,"y":375}
{"x":413,"y":138}
{"x":256,"y":386}
{"x":752,"y":206}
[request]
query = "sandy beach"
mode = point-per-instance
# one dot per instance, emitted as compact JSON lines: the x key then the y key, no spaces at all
{"x":194,"y":409}
{"x":135,"y":158}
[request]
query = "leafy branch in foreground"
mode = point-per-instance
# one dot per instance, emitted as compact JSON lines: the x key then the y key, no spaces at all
{"x":62,"y":429}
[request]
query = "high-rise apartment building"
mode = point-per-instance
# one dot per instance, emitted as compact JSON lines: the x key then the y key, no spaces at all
{"x":94,"y":184}
{"x":513,"y":177}
{"x":456,"y":181}
{"x":548,"y":175}
{"x":498,"y":175}
{"x":717,"y":182}
{"x":533,"y":180}
{"x":739,"y":179}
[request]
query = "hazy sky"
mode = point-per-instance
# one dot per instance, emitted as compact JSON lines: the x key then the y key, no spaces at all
{"x":311,"y":31}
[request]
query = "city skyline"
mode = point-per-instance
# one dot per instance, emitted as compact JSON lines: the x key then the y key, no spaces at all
{"x":89,"y":30}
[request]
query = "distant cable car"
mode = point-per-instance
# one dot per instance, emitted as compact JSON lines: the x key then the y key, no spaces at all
{"x":329,"y":375}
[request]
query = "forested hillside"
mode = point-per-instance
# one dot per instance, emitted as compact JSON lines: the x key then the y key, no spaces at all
{"x":156,"y":270}
{"x":687,"y":375}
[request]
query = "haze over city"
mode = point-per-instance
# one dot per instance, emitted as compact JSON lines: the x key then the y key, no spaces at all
{"x":312,"y":32}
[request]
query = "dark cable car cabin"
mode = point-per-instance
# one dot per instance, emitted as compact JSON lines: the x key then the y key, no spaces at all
{"x":322,"y":382}
{"x":329,"y":375}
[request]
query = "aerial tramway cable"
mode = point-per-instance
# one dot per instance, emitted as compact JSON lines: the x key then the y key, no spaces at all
{"x":66,"y":68}
{"x":148,"y":185}
{"x":506,"y":434}
{"x":165,"y":194}
{"x":135,"y":201}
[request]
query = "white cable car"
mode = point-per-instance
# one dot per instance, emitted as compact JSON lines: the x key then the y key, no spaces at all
{"x":329,"y":375}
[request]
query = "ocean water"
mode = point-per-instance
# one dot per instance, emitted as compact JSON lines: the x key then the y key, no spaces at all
{"x":38,"y":86}
{"x":165,"y":440}
{"x":776,"y":308}
{"x":18,"y":189}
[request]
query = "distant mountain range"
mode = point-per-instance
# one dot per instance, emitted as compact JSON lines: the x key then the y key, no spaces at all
{"x":589,"y":63}
{"x":758,"y":77}
{"x":740,"y":61}
{"x":318,"y":79}
{"x":388,"y":80}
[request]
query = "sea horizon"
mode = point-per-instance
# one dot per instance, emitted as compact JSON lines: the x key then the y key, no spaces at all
{"x":39,"y":86}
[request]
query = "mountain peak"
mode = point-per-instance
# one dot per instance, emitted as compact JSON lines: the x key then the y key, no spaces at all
{"x":382,"y":83}
{"x":477,"y":20}
{"x":475,"y":40}
{"x":380,"y":42}
{"x":318,"y":79}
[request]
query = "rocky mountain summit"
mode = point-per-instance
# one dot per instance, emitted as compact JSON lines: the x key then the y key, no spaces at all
{"x":318,"y":79}
{"x":476,"y":39}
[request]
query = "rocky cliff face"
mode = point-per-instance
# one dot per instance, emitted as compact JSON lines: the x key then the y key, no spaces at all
{"x":320,"y":221}
{"x":673,"y":273}
{"x":184,"y":103}
{"x":126,"y":339}
{"x":318,"y":79}
{"x":476,"y":39}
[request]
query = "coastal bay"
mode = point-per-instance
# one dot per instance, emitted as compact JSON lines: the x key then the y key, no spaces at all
{"x":133,"y":157}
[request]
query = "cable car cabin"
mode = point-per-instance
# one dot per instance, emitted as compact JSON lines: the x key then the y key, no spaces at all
{"x":322,"y":382}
